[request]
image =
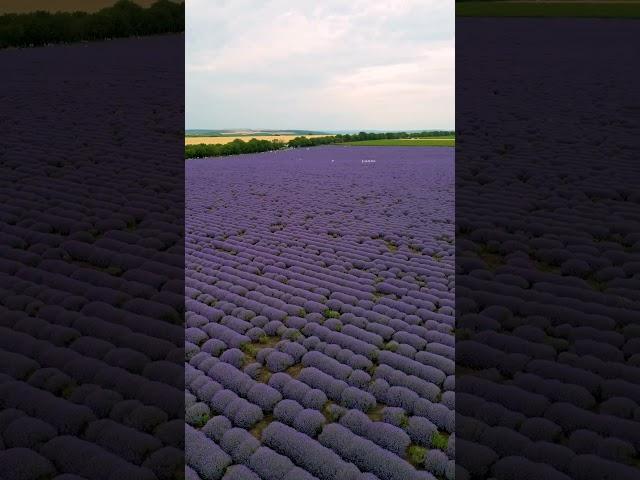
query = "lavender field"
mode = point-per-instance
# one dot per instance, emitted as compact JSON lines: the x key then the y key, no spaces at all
{"x":320,"y":314}
{"x":91,"y":256}
{"x":548,"y":250}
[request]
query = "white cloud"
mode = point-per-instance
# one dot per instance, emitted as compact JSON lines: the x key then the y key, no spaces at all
{"x":383,"y":64}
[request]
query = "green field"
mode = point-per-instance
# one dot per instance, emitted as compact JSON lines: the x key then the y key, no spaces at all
{"x":405,"y":142}
{"x":573,"y":9}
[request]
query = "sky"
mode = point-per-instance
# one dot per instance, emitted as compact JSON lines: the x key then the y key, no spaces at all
{"x":320,"y":65}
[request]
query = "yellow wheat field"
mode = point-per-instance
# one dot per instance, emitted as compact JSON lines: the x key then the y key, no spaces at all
{"x":212,"y":140}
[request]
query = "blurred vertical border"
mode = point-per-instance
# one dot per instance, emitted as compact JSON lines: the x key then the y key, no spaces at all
{"x":92,"y":241}
{"x":547,"y":240}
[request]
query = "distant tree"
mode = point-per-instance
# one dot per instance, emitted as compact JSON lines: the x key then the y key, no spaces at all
{"x":123,"y":19}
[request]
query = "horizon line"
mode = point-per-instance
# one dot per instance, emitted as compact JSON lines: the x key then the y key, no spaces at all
{"x":322,"y":129}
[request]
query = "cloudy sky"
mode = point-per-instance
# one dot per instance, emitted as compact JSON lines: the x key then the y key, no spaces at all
{"x":320,"y":64}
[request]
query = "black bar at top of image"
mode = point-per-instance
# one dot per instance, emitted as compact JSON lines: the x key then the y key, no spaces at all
{"x":92,"y":257}
{"x":547,"y":249}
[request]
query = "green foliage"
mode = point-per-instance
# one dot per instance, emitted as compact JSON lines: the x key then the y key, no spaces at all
{"x":392,"y":346}
{"x":373,"y":356}
{"x":302,"y":313}
{"x":293,"y":336}
{"x":124,"y":19}
{"x":328,"y":313}
{"x":232,"y":148}
{"x":439,"y":441}
{"x":404,"y":422}
{"x":363,"y":136}
{"x":201,"y":420}
{"x":603,"y":9}
{"x":249,"y":349}
{"x":299,"y":142}
{"x":416,"y":454}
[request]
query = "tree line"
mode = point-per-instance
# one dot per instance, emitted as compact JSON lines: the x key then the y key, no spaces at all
{"x":254,"y":145}
{"x":124,"y":19}
{"x":235,"y":147}
{"x":362,"y":136}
